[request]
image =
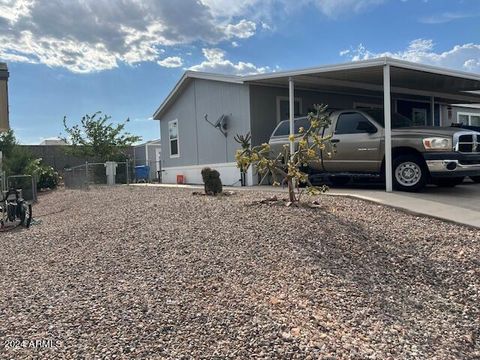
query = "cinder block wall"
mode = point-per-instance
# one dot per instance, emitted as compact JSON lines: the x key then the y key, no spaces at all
{"x":55,"y":156}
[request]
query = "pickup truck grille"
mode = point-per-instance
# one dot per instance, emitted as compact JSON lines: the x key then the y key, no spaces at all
{"x":468,"y":143}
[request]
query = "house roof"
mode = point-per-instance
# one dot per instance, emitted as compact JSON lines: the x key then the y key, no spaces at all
{"x":185,"y":80}
{"x":151,"y":142}
{"x":367,"y":76}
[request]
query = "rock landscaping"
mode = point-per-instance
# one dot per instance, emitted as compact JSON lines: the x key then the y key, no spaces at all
{"x":150,"y":273}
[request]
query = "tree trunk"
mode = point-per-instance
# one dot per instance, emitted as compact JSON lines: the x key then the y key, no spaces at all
{"x":291,"y":191}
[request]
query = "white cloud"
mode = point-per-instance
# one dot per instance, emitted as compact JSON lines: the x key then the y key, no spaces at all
{"x":334,"y":8}
{"x":12,"y":10}
{"x":171,"y":62}
{"x":464,"y":57}
{"x":215,"y":62}
{"x":243,"y":30}
{"x":93,"y":35}
{"x":446,"y":17}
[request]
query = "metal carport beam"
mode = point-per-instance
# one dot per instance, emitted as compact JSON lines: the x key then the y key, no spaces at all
{"x":387,"y":103}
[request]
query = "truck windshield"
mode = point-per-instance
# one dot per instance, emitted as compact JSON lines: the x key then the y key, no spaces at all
{"x":398,"y":120}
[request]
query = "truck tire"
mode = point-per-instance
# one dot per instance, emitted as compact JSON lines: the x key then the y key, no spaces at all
{"x":448,"y":182}
{"x":409,"y":173}
{"x":475,"y":179}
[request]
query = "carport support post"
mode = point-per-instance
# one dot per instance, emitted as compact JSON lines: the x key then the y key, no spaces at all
{"x":432,"y":109}
{"x":291,"y":104}
{"x":387,"y":103}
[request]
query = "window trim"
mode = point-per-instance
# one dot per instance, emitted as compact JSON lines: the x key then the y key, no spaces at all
{"x":177,"y":155}
{"x":279,"y":99}
{"x":352,"y":112}
{"x":469,"y":114}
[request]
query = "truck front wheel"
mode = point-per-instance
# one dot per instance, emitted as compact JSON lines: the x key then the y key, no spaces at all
{"x":409,"y":173}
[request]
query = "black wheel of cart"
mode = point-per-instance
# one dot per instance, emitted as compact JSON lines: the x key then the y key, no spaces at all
{"x":11,"y":212}
{"x":26,"y":214}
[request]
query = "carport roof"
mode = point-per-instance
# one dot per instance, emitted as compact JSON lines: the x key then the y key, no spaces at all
{"x":449,"y":86}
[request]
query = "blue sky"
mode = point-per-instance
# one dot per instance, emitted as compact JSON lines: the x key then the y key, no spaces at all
{"x":72,"y":57}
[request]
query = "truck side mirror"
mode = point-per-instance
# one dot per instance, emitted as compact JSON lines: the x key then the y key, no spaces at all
{"x":367,"y":127}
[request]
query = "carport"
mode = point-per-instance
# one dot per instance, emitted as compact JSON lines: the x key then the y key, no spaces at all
{"x":373,"y":77}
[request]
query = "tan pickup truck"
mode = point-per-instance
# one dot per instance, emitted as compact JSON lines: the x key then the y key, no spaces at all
{"x":421,"y":155}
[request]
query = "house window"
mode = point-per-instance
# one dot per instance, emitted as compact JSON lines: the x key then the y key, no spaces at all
{"x":283,"y":108}
{"x":173,"y":138}
{"x":468,"y":118}
{"x":419,"y":117}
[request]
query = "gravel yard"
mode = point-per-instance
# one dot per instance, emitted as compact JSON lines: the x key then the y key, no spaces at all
{"x":134,"y":272}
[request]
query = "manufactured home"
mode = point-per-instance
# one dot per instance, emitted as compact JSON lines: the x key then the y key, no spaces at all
{"x":204,"y":111}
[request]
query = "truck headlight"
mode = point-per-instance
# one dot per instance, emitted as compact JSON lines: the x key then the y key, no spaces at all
{"x":437,"y":143}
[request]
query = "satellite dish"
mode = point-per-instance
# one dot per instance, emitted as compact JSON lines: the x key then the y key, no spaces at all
{"x":221,"y":123}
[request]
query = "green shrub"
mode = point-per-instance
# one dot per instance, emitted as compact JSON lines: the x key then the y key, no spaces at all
{"x":47,"y":177}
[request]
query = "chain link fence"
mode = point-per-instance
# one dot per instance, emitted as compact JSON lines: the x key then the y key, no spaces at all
{"x":94,"y":173}
{"x":27,"y":183}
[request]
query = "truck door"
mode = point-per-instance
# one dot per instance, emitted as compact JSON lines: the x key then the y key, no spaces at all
{"x":355,"y":145}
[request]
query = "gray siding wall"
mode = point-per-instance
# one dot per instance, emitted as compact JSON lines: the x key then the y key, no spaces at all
{"x":183,"y":110}
{"x":263,"y":100}
{"x":139,"y":155}
{"x":199,"y":142}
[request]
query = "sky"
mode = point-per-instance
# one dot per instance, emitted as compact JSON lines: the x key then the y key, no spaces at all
{"x":122,"y":57}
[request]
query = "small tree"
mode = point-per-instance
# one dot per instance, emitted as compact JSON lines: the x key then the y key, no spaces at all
{"x":286,"y":167}
{"x":7,"y":142}
{"x":96,"y":137}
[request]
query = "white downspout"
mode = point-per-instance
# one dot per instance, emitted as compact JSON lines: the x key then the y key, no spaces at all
{"x":388,"y":127}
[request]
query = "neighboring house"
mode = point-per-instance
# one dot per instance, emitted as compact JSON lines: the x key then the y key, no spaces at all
{"x":463,"y":113}
{"x":255,"y":104}
{"x":53,"y":141}
{"x":4,"y":122}
{"x":149,"y":153}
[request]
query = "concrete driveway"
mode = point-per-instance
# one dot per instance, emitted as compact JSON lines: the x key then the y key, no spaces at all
{"x":465,"y":196}
{"x":460,"y":204}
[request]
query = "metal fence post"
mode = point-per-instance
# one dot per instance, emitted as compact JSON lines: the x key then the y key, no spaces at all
{"x":86,"y":174}
{"x":127,"y":167}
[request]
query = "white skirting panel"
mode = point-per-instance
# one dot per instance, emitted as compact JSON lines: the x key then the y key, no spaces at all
{"x":229,"y":174}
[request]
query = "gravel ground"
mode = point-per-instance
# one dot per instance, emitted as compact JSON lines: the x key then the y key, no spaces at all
{"x":133,"y":272}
